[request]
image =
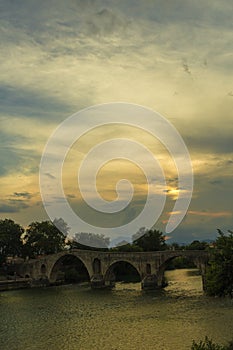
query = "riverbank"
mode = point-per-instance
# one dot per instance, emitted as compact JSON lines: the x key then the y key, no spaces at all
{"x":15,"y":284}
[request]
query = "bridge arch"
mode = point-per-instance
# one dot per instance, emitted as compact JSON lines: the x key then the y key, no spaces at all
{"x":113,"y":271}
{"x":65,"y":261}
{"x":199,"y":265}
{"x":100,"y":266}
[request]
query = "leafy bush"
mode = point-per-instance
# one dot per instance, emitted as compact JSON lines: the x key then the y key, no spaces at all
{"x":219,"y":276}
{"x":208,"y":344}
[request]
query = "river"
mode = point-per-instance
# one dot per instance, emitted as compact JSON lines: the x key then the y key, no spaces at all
{"x":74,"y":317}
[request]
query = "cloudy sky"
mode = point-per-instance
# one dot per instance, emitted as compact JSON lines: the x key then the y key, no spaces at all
{"x":175,"y":57}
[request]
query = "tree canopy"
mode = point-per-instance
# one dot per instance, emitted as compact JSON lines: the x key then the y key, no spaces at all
{"x":43,"y":238}
{"x":90,"y":241}
{"x":151,"y":240}
{"x":10,"y":239}
{"x":197,"y":245}
{"x":219,"y":276}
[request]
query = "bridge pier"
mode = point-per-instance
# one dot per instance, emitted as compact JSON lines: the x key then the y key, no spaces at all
{"x":99,"y":266}
{"x":40,"y":282}
{"x":98,"y":282}
{"x":150,"y":282}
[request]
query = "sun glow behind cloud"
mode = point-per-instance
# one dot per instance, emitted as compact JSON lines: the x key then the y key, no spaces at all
{"x":174,"y":58}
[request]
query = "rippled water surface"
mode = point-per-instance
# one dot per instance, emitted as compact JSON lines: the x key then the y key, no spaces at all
{"x":74,"y":317}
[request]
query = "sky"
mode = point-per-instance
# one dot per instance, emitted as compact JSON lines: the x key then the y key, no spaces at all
{"x":174,"y":57}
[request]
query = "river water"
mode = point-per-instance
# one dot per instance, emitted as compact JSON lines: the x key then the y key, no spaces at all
{"x":74,"y":317}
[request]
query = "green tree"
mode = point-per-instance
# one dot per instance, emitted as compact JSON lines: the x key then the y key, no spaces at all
{"x":219,"y":276}
{"x":43,"y":238}
{"x":175,"y":246}
{"x":197,"y":245}
{"x":128,"y":247}
{"x":10,"y":239}
{"x":90,"y":241}
{"x":141,"y":232}
{"x":61,"y":225}
{"x":152,"y":240}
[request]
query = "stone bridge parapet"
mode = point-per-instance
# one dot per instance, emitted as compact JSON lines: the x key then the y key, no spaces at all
{"x":100,"y":265}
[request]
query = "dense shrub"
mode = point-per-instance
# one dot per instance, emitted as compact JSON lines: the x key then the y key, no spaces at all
{"x":219,"y":276}
{"x":208,"y":344}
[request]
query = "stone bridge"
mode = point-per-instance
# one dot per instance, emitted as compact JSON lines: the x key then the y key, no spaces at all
{"x":99,"y":266}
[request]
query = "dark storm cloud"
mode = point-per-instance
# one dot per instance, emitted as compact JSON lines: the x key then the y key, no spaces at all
{"x":13,"y":206}
{"x":71,"y":196}
{"x":50,"y":176}
{"x":202,"y":229}
{"x":32,"y":103}
{"x":216,"y":182}
{"x":213,"y":141}
{"x":59,"y":19}
{"x":26,"y":195}
{"x":4,"y":208}
{"x":15,"y":159}
{"x":188,"y":233}
{"x":82,"y":49}
{"x":105,"y":22}
{"x":186,"y":68}
{"x":213,"y":196}
{"x":9,"y":139}
{"x":10,"y":155}
{"x":210,"y":11}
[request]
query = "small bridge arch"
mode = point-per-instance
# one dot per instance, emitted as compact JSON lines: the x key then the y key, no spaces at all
{"x":110,"y":273}
{"x":199,"y":260}
{"x":66,"y":259}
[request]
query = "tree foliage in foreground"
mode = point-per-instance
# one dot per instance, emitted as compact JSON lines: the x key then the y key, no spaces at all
{"x":219,"y":276}
{"x":151,"y":240}
{"x":90,"y":241}
{"x":197,"y":245}
{"x":39,"y":238}
{"x":10,"y":239}
{"x":208,"y":344}
{"x":43,"y":238}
